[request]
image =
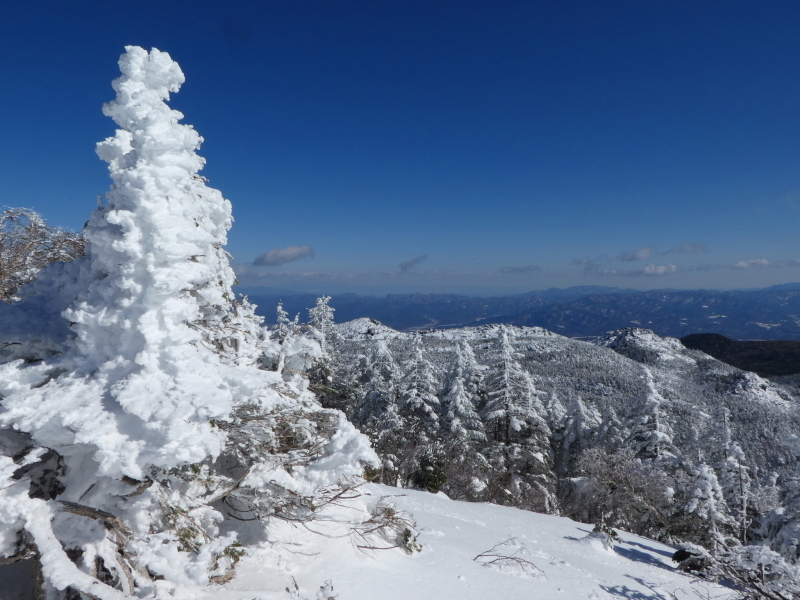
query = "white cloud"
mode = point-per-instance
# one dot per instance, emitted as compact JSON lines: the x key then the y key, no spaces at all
{"x":592,"y":268}
{"x":516,"y":270}
{"x":763,"y":262}
{"x":656,"y":270}
{"x":640,"y":254}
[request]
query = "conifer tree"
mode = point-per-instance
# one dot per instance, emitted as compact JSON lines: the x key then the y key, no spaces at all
{"x":462,"y":423}
{"x":578,"y":430}
{"x":509,"y":394}
{"x":610,"y":433}
{"x":707,"y":505}
{"x":650,"y":433}
{"x":284,"y":325}
{"x":520,"y":457}
{"x":555,"y":410}
{"x":734,"y":476}
{"x":419,"y":409}
{"x":146,"y":403}
{"x":462,"y":428}
{"x":321,"y":319}
{"x":786,"y":539}
{"x":377,"y":411}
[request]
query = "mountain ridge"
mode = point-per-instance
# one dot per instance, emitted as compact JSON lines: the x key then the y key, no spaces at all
{"x":771,"y":313}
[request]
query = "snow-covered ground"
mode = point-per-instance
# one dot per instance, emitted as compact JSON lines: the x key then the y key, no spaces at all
{"x":563,"y":562}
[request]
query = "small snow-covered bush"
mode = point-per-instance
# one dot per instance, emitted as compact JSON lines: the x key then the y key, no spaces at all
{"x":136,"y":427}
{"x":27,"y":244}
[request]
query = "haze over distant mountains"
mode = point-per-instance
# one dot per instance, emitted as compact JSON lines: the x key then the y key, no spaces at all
{"x":586,"y":311}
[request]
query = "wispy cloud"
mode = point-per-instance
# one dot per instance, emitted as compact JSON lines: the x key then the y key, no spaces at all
{"x":647,"y":271}
{"x":688,"y":249}
{"x":589,"y":265}
{"x":640,"y":254}
{"x":654,"y":270}
{"x":281,"y":256}
{"x":592,"y":267}
{"x":764,"y":263}
{"x":525,"y":269}
{"x":407,"y":265}
{"x":650,"y":251}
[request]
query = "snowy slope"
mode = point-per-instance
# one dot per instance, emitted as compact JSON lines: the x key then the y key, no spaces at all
{"x":452,"y":534}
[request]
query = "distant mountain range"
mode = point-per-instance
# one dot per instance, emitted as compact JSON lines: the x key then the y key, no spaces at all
{"x":587,"y":311}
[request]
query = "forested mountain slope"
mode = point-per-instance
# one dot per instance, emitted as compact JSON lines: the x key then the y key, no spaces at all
{"x":525,"y":417}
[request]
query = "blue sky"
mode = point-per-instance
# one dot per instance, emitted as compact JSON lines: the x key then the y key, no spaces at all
{"x":513,"y":145}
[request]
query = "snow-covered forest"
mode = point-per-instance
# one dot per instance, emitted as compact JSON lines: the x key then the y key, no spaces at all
{"x":155,"y":434}
{"x":634,"y":431}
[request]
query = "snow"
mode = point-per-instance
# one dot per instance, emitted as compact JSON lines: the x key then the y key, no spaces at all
{"x":364,"y":328}
{"x":565,"y":561}
{"x":368,"y":329}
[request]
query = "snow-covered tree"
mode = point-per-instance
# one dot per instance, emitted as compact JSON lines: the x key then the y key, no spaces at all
{"x":554,"y":409}
{"x":781,"y":526}
{"x":142,"y":407}
{"x":733,"y":473}
{"x":27,"y":244}
{"x":509,"y":395}
{"x":579,"y":428}
{"x":461,"y":420}
{"x":377,"y":410}
{"x":321,"y":319}
{"x":284,"y":325}
{"x":520,"y":457}
{"x":610,"y":434}
{"x":463,"y":434}
{"x":707,"y":505}
{"x":756,"y":572}
{"x":620,"y":490}
{"x":419,"y":408}
{"x":650,"y":434}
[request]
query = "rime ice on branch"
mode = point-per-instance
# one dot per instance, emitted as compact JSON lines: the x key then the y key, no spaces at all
{"x":139,"y":364}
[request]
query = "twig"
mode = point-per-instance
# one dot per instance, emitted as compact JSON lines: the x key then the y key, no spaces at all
{"x":505,"y":559}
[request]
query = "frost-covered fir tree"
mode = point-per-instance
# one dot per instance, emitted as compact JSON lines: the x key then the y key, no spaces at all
{"x":554,"y":409}
{"x":785,"y":522}
{"x":650,"y":433}
{"x":321,"y":319}
{"x":520,"y":456}
{"x":140,"y":404}
{"x":463,"y":433}
{"x":509,"y":394}
{"x":781,"y":525}
{"x":461,"y":420}
{"x":284,"y":325}
{"x":707,"y":509}
{"x":610,"y":434}
{"x":377,"y":411}
{"x":419,"y":409}
{"x":733,"y":474}
{"x":577,"y":431}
